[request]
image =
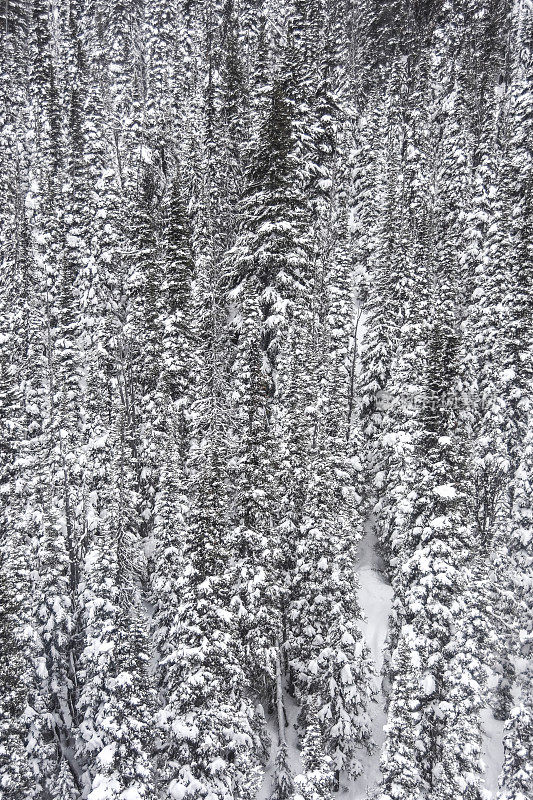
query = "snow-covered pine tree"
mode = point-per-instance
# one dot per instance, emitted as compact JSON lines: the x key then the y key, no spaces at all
{"x":178,"y":274}
{"x":16,"y":665}
{"x":401,"y":774}
{"x":432,"y":584}
{"x":411,"y":298}
{"x":316,"y":781}
{"x":328,"y":658}
{"x":271,"y":269}
{"x":516,"y":779}
{"x":208,"y":721}
{"x":117,"y":700}
{"x":16,"y":773}
{"x":384,"y":264}
{"x":328,"y":661}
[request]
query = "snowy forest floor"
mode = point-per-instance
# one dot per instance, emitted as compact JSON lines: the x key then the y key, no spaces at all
{"x":375,"y":598}
{"x":492,"y":751}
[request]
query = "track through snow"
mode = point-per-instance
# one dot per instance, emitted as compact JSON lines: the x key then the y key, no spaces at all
{"x":291,"y":735}
{"x":375,"y":599}
{"x":492,"y":751}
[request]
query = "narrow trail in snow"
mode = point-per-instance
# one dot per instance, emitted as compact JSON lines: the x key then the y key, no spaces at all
{"x":375,"y":598}
{"x":491,"y":751}
{"x":295,"y":762}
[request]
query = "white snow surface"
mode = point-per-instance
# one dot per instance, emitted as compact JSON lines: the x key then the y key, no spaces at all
{"x":446,"y":491}
{"x":375,"y":598}
{"x":492,"y":751}
{"x":295,"y":762}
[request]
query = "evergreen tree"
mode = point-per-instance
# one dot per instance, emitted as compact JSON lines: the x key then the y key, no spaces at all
{"x":265,"y":289}
{"x":517,"y":775}
{"x":117,"y":699}
{"x":401,"y":775}
{"x":16,"y":776}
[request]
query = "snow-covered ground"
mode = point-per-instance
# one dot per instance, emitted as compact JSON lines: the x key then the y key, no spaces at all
{"x":375,"y":598}
{"x":492,"y":750}
{"x":295,"y":762}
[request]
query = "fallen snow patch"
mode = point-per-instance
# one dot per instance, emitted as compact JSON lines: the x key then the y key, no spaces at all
{"x":446,"y":490}
{"x":492,"y":751}
{"x":375,"y":598}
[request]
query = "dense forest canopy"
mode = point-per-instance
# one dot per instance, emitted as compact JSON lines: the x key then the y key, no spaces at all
{"x":266,"y":365}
